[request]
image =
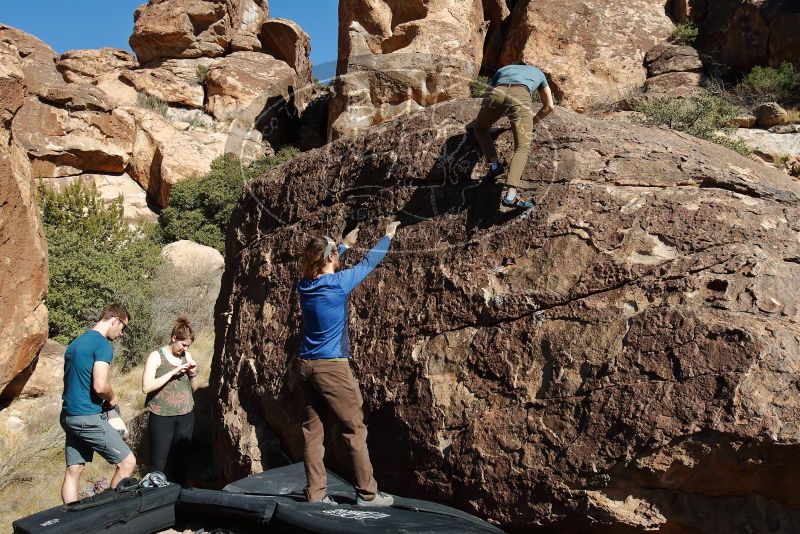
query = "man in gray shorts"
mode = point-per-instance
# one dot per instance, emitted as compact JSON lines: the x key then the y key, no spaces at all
{"x":87,"y":363}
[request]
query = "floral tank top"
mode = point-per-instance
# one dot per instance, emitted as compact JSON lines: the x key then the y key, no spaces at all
{"x":175,"y":397}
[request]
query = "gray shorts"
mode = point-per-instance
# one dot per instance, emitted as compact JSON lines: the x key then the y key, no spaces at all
{"x":89,"y":433}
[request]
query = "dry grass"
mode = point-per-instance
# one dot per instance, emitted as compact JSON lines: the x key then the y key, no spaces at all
{"x":32,"y":458}
{"x":793,"y":115}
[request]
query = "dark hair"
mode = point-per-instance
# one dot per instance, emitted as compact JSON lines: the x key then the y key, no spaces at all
{"x":114,"y":310}
{"x":312,"y":259}
{"x":182,"y":330}
{"x":521,"y":62}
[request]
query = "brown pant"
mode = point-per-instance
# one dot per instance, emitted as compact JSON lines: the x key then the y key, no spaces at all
{"x":515,"y":103}
{"x":330,"y":386}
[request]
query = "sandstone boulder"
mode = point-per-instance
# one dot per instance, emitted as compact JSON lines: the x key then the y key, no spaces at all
{"x":286,"y":41}
{"x":23,"y":255}
{"x":187,"y":255}
{"x":620,"y":359}
{"x":743,"y":121}
{"x":745,"y":34}
{"x":64,"y":143}
{"x":163,"y":155}
{"x":48,"y":377}
{"x":36,"y":59}
{"x":396,"y":57}
{"x":196,"y":28}
{"x":247,"y":85}
{"x":770,"y":114}
{"x":175,"y":81}
{"x":672,"y":58}
{"x":585,"y":65}
{"x":673,"y":83}
{"x":88,"y":65}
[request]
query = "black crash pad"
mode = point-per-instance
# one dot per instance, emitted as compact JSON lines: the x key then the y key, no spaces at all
{"x":293,"y":514}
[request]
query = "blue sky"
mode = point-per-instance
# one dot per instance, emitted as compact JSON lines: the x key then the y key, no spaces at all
{"x":69,"y":25}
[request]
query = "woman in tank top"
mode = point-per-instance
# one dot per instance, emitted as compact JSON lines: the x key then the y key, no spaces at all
{"x":169,"y":381}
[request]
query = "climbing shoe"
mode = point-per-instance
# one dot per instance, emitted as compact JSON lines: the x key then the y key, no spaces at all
{"x":495,"y":170}
{"x":381,"y":499}
{"x":517,"y":202}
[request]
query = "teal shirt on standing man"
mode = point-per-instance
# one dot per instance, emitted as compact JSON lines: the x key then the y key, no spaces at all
{"x":79,"y":398}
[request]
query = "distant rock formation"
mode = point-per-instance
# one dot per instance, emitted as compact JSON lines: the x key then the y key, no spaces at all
{"x":622,"y":358}
{"x":396,"y":57}
{"x":745,"y":33}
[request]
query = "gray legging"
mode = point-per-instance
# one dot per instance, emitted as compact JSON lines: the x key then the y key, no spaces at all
{"x":171,"y":442}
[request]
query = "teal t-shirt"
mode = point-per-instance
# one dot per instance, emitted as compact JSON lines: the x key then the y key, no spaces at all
{"x":524,"y":74}
{"x":79,"y":398}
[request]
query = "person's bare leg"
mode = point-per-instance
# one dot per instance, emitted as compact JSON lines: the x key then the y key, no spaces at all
{"x":123,"y":469}
{"x":69,"y":489}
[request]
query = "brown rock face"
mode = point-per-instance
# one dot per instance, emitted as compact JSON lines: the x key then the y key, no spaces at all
{"x":196,"y":28}
{"x":743,"y":34}
{"x":286,"y":41}
{"x":590,"y":50}
{"x":398,"y":56}
{"x":88,"y":65}
{"x":23,"y":251}
{"x":770,"y":114}
{"x":622,"y":358}
{"x":244,"y":85}
{"x":163,"y":156}
{"x":49,"y":374}
{"x":175,"y":81}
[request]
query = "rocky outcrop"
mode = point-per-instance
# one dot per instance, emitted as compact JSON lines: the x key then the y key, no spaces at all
{"x":177,"y":82}
{"x":743,"y":34}
{"x":770,"y":114}
{"x":163,"y":156}
{"x":396,"y":57}
{"x":23,"y":251}
{"x":196,"y":28}
{"x":244,"y":85}
{"x":48,"y":377}
{"x":286,"y":41}
{"x":672,"y":71}
{"x":619,"y":359}
{"x":89,"y":65}
{"x":584,"y":65}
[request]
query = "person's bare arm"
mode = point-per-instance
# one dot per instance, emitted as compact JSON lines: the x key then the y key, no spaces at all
{"x":149,"y":380}
{"x":101,"y":385}
{"x":547,"y":105}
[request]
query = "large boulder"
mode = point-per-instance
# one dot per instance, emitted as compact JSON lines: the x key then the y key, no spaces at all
{"x":623,"y":358}
{"x":89,"y":65}
{"x":178,"y":82}
{"x":23,"y":255}
{"x":48,"y":377}
{"x":743,"y":34}
{"x":396,"y":57}
{"x":162,"y":155}
{"x":196,"y":28}
{"x":36,"y":59}
{"x":64,"y":142}
{"x":285,"y":40}
{"x":245,"y":85}
{"x":592,"y":51}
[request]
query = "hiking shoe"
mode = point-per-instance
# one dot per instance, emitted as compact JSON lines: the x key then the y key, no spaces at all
{"x":516,"y":203}
{"x":381,"y":499}
{"x":328,"y":500}
{"x":495,"y":170}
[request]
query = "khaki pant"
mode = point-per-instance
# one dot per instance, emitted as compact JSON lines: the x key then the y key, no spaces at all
{"x":515,"y":103}
{"x":330,"y":387}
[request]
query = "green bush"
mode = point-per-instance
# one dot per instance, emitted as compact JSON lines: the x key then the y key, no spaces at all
{"x":200,"y":208}
{"x":684,"y":33}
{"x":200,"y":72}
{"x":148,"y":101}
{"x":769,"y":84}
{"x":702,"y":115}
{"x":477,"y":87}
{"x":96,"y":258}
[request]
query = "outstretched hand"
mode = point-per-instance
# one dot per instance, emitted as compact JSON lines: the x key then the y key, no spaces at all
{"x":350,"y":239}
{"x":391,"y":228}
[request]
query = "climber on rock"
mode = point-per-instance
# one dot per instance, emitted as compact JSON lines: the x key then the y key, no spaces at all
{"x":509,"y":94}
{"x":326,"y":381}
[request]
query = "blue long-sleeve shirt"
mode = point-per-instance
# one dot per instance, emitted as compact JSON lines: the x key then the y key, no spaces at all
{"x":323,"y":302}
